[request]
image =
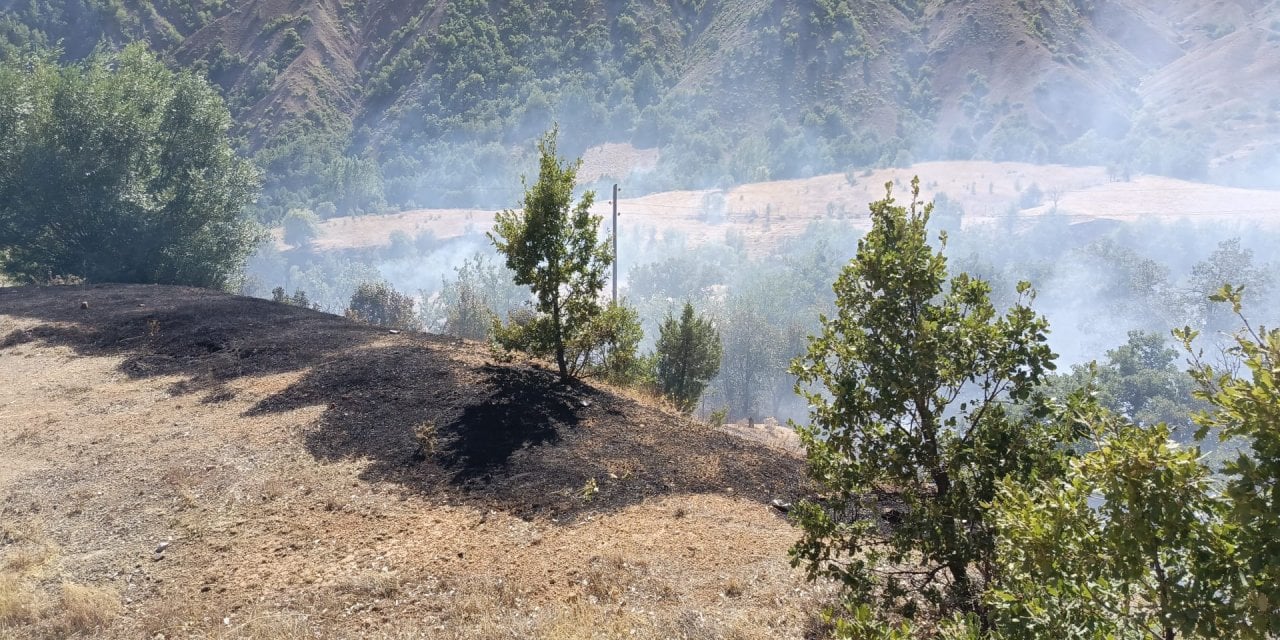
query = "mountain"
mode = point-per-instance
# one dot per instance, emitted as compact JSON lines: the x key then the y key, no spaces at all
{"x":370,"y":104}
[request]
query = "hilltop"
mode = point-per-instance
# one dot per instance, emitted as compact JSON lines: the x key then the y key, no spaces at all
{"x":394,"y":104}
{"x":183,"y":463}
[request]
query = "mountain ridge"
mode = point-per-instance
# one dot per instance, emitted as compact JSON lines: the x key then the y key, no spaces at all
{"x":392,"y":104}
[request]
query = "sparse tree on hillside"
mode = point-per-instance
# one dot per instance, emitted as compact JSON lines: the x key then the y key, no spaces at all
{"x":688,"y":356}
{"x":468,"y":306}
{"x":301,"y":226}
{"x":909,"y":386}
{"x":120,"y":170}
{"x":551,"y":245}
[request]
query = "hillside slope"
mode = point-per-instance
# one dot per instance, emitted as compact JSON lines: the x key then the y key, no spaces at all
{"x":404,"y":104}
{"x":186,"y":463}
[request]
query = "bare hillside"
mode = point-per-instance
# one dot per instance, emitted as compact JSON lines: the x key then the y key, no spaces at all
{"x":181,"y":463}
{"x":766,"y":213}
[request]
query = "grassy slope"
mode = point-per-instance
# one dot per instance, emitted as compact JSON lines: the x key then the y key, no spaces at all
{"x":312,"y":476}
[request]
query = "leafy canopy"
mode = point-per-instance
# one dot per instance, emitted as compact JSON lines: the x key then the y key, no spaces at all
{"x":1139,"y":539}
{"x":911,"y":431}
{"x":551,"y":245}
{"x":119,"y":170}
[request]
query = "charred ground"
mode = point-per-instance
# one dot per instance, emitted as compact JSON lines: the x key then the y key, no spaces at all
{"x":277,"y":449}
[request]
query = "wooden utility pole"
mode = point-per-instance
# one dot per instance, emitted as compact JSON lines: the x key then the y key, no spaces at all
{"x":615,"y":245}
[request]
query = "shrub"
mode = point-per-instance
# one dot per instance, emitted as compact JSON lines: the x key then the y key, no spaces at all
{"x":378,"y":304}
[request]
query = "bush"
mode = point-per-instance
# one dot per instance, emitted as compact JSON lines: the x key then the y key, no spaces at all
{"x":378,"y":304}
{"x":301,"y":226}
{"x":120,"y":170}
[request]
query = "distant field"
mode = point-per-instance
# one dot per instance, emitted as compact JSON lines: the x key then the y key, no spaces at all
{"x":769,"y":211}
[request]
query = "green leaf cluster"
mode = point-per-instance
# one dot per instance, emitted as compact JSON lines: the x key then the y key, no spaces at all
{"x":120,"y":170}
{"x":910,"y":385}
{"x":551,"y":245}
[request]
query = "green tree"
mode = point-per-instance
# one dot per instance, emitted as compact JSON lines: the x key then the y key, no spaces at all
{"x":910,"y":386}
{"x":1128,"y":545}
{"x":1245,"y":406}
{"x":551,"y":246}
{"x":468,"y":306}
{"x":301,"y":226}
{"x":118,"y":169}
{"x":378,"y":304}
{"x":1138,"y":540}
{"x":1140,"y":380}
{"x":1229,"y":262}
{"x":688,"y":355}
{"x":608,"y":345}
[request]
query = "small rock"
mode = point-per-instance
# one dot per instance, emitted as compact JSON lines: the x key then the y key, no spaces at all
{"x":157,"y":557}
{"x":163,"y":545}
{"x":780,"y":505}
{"x":393,"y":331}
{"x":84,"y":304}
{"x":586,"y":403}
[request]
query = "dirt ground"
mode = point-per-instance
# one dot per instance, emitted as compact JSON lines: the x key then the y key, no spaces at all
{"x":181,"y":463}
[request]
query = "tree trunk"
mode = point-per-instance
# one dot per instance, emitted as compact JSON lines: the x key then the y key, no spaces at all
{"x":559,"y":331}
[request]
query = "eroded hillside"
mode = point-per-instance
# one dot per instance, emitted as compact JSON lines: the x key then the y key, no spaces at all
{"x":181,"y":463}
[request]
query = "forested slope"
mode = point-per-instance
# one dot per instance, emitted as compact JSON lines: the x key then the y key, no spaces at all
{"x":374,"y":104}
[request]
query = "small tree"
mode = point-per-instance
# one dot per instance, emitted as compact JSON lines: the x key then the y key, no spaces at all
{"x":688,"y":354}
{"x":377,"y":303}
{"x":551,"y":245}
{"x":911,"y":432}
{"x":469,"y":305}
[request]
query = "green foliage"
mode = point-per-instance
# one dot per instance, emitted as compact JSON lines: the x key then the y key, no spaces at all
{"x":472,"y":303}
{"x":378,"y":304}
{"x":119,"y":170}
{"x":609,"y":345}
{"x":301,"y":226}
{"x":1140,"y":380}
{"x":1125,"y":546}
{"x":1246,"y":406}
{"x":688,"y":356}
{"x":298,"y":299}
{"x":551,"y":246}
{"x":1138,"y":539}
{"x":909,"y":386}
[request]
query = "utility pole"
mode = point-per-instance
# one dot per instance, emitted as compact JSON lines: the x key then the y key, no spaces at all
{"x":615,"y":245}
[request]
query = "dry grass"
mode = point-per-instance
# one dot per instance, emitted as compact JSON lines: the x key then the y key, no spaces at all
{"x":272,"y":539}
{"x":372,"y":584}
{"x":18,"y":604}
{"x":86,"y":608}
{"x":26,"y":559}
